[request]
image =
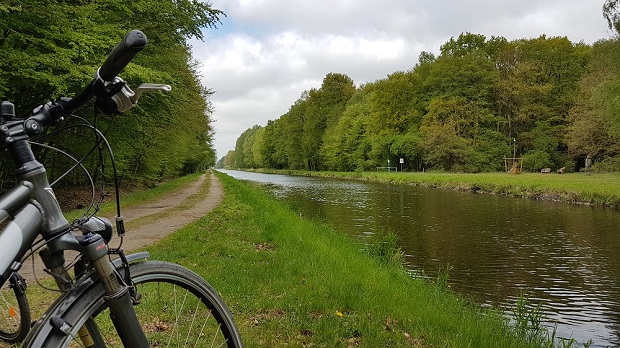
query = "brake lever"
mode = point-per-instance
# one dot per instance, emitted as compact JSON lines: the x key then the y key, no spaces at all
{"x":125,"y":99}
{"x":148,"y":87}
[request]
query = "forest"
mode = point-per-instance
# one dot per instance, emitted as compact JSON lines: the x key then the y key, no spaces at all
{"x":548,"y":101}
{"x":52,"y":48}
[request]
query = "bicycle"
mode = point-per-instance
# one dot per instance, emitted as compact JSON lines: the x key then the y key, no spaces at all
{"x":112,"y":299}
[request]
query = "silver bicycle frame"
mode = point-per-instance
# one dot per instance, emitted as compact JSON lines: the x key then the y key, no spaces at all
{"x":35,"y":211}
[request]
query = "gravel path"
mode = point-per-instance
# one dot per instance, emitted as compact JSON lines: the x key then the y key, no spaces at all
{"x":150,"y":222}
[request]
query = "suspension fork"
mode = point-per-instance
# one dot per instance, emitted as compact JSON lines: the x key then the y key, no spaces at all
{"x":117,"y":295}
{"x":55,"y":263}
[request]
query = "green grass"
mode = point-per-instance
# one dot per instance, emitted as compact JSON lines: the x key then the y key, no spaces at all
{"x":595,"y":189}
{"x":293,"y":282}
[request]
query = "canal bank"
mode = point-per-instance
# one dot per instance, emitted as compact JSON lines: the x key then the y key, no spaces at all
{"x":563,"y":255}
{"x":294,"y":282}
{"x":577,"y":188}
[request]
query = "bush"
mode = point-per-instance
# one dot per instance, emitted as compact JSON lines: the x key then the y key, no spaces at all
{"x":536,"y":160}
{"x":608,"y":165}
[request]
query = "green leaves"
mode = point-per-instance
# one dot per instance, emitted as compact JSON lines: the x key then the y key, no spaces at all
{"x":53,"y":48}
{"x":461,"y":110}
{"x":612,"y":15}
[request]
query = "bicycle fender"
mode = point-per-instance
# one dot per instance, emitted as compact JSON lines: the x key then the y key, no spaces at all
{"x":45,"y":324}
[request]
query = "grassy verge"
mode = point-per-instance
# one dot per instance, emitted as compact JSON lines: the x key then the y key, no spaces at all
{"x":293,"y":282}
{"x":594,"y":189}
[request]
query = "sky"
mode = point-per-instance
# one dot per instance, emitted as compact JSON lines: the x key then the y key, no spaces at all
{"x":265,"y":53}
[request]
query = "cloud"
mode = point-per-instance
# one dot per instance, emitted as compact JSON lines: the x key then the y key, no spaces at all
{"x":267,"y":52}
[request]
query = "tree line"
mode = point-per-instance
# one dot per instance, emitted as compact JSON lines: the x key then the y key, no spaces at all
{"x":546,"y":100}
{"x":52,"y":48}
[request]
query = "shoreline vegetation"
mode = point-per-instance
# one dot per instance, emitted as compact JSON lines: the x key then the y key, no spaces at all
{"x":295,"y":282}
{"x":601,"y":190}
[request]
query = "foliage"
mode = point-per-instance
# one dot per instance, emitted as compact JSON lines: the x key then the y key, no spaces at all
{"x":607,"y":165}
{"x":595,"y":124}
{"x":536,"y":160}
{"x":460,"y":111}
{"x":52,"y":48}
{"x":529,"y":324}
{"x":612,"y":14}
{"x":529,"y":320}
{"x":297,"y":139}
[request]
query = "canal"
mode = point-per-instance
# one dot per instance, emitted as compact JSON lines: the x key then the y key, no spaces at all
{"x":565,"y":257}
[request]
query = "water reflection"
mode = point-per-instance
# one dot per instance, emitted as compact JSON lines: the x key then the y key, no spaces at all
{"x":565,"y":256}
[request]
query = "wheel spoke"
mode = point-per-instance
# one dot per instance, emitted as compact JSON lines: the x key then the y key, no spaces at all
{"x":177,"y":309}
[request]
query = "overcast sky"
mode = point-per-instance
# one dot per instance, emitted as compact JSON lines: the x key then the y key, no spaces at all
{"x":267,"y":52}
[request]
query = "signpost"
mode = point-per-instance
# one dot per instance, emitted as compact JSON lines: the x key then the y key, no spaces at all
{"x":389,"y":169}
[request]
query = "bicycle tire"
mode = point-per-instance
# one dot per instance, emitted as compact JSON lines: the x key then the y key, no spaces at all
{"x":15,"y":321}
{"x":166,"y":289}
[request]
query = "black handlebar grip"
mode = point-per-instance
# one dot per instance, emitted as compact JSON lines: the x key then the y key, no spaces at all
{"x":122,"y":54}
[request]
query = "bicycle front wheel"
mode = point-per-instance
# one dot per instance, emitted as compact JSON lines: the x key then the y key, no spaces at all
{"x":177,"y":309}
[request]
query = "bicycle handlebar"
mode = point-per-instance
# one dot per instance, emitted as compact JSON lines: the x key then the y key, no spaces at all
{"x":116,"y":61}
{"x":122,"y":54}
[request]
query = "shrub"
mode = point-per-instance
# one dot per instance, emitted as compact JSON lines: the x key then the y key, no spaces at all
{"x":536,"y":160}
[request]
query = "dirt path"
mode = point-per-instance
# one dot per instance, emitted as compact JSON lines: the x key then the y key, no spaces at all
{"x":150,"y":222}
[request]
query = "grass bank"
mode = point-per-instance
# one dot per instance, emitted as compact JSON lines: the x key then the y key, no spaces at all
{"x":594,"y":189}
{"x":293,"y":282}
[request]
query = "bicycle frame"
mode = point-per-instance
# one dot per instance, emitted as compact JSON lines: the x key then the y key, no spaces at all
{"x":34,"y":207}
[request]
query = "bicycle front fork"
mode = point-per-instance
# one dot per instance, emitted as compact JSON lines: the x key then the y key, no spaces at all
{"x":117,"y":295}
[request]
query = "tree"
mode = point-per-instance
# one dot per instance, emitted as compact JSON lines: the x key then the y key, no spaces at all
{"x":537,"y":88}
{"x":458,"y":122}
{"x":289,"y":143}
{"x":465,"y":44}
{"x":271,"y":150}
{"x":612,"y":15}
{"x":258,"y":148}
{"x":393,"y":105}
{"x":52,"y":48}
{"x":471,"y":76}
{"x":409,"y":147}
{"x":229,"y":159}
{"x":240,"y":160}
{"x":342,"y":148}
{"x":324,"y":108}
{"x":460,"y":110}
{"x":443,"y":149}
{"x":594,"y":127}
